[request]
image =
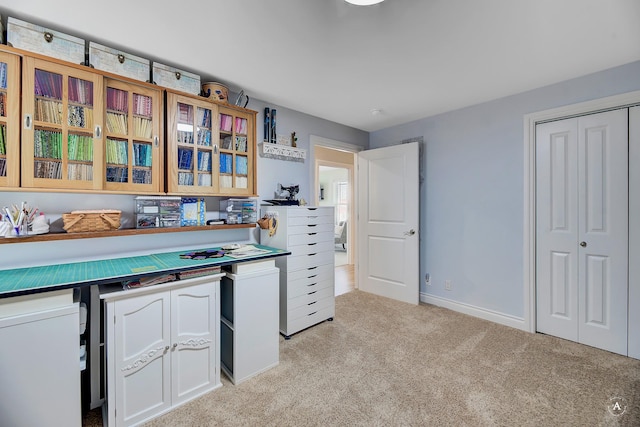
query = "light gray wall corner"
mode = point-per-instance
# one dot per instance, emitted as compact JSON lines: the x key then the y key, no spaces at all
{"x":272,"y":172}
{"x":473,"y":209}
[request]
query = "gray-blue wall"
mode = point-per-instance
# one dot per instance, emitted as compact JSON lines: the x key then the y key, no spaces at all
{"x":472,"y":200}
{"x":272,"y":172}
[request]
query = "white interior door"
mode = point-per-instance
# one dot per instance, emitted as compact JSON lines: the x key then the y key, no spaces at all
{"x":603,"y":198}
{"x":557,"y":229}
{"x":388,"y":203}
{"x":582,"y":229}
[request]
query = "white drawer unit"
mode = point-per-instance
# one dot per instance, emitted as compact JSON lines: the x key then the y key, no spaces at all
{"x":307,"y":285}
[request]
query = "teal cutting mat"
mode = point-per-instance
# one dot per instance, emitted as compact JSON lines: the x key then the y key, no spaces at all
{"x":67,"y":275}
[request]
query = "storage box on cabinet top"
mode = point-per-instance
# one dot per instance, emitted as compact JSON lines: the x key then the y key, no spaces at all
{"x":172,"y":78}
{"x":157,"y":211}
{"x":118,"y":62}
{"x":45,"y":41}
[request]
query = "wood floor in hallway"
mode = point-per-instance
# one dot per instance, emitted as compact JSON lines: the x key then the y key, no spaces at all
{"x":345,"y":279}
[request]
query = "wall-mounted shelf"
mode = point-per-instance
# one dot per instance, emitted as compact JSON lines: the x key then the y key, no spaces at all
{"x":282,"y":152}
{"x":120,"y":232}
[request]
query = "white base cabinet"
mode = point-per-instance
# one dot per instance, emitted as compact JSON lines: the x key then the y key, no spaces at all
{"x":249,"y":321}
{"x":161,"y":347}
{"x":40,"y":360}
{"x":307,"y":276}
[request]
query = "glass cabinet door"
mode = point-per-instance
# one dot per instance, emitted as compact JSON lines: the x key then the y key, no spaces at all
{"x":237,"y":151}
{"x":192,"y":154}
{"x":132,"y":151}
{"x":63,"y":137}
{"x":9,"y":120}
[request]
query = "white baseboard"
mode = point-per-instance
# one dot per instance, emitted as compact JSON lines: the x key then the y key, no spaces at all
{"x":482,"y":313}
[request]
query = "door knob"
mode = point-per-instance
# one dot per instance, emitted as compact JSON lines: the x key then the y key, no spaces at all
{"x":583,"y":244}
{"x":410,"y":232}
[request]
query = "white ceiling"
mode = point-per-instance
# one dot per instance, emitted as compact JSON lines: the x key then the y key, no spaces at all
{"x":408,"y":58}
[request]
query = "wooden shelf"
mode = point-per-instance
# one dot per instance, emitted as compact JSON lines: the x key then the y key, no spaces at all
{"x":124,"y":232}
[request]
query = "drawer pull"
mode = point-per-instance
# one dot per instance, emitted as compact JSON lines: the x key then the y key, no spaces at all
{"x":311,"y":244}
{"x":311,"y":314}
{"x":312,"y":254}
{"x":312,"y":234}
{"x":311,"y":303}
{"x":311,"y":277}
{"x":311,"y":293}
{"x":313,"y":284}
{"x":311,"y":209}
{"x":312,"y":268}
{"x":312,"y":225}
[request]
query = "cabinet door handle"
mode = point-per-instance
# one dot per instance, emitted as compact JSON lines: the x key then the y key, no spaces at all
{"x":215,"y":148}
{"x":156,"y":141}
{"x":98,"y":131}
{"x":28,"y":122}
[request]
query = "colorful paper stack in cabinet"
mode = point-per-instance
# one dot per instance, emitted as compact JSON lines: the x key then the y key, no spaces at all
{"x":307,"y":287}
{"x":9,"y":120}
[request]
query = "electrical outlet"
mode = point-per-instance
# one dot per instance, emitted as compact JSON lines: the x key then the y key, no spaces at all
{"x":427,"y":279}
{"x":447,"y":285}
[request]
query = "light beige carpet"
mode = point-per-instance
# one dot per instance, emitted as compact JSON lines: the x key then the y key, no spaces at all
{"x":384,"y":363}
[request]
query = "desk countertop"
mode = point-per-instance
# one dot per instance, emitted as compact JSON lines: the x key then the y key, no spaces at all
{"x":21,"y":281}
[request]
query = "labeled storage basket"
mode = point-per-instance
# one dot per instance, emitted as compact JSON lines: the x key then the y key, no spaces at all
{"x":91,"y":220}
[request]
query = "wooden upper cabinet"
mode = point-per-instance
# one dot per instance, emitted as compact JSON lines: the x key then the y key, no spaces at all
{"x":210,"y":147}
{"x":79,"y":129}
{"x":62,"y":126}
{"x":9,"y":120}
{"x":133,"y":152}
{"x":192,"y":147}
{"x":236,"y":136}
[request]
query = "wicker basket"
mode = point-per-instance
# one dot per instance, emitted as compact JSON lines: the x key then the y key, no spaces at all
{"x":98,"y":220}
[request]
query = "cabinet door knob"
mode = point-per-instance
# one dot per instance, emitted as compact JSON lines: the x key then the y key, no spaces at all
{"x":166,"y":348}
{"x":583,"y":244}
{"x":410,"y":232}
{"x":175,"y":345}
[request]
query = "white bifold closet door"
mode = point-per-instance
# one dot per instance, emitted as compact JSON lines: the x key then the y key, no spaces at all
{"x":582,"y":230}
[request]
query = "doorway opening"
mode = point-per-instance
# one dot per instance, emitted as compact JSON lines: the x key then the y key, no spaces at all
{"x":334,"y":184}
